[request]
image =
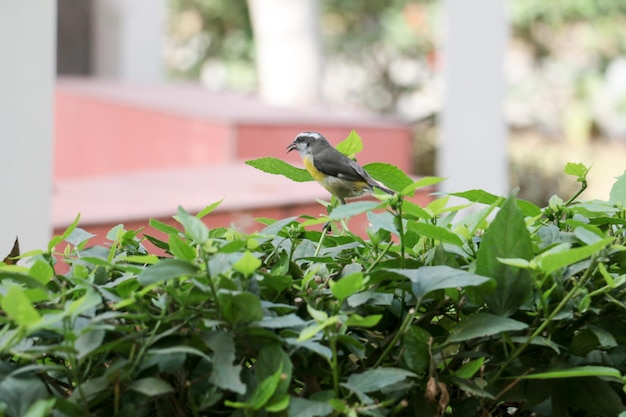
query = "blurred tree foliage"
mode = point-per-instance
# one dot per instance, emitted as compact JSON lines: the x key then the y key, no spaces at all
{"x":388,"y":47}
{"x":535,"y":20}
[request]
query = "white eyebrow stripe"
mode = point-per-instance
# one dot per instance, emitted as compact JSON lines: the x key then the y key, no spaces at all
{"x":314,"y":135}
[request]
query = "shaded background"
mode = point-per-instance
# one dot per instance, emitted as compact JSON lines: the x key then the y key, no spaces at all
{"x":565,"y":66}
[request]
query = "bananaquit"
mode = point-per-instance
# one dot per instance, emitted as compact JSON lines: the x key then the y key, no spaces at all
{"x":340,"y":175}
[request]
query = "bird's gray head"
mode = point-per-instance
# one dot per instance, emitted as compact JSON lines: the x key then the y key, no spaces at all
{"x":303,"y":142}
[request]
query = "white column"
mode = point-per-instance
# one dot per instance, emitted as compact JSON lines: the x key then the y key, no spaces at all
{"x":474,"y":135}
{"x":128,"y":39}
{"x":27,"y":73}
{"x":288,"y":54}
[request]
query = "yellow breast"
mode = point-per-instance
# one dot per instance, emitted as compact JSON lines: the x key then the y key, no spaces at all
{"x":317,"y":175}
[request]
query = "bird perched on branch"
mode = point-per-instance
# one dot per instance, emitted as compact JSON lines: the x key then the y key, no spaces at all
{"x":340,"y":175}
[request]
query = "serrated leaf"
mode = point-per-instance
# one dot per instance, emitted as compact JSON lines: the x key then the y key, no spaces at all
{"x":618,"y":191}
{"x":279,"y":167}
{"x":167,"y":269}
{"x":390,"y":175}
{"x":483,"y":325}
{"x":351,"y":145}
{"x":225,"y":375}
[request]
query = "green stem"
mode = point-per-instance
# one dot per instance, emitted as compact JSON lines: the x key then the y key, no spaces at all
{"x":335,"y":365}
{"x":379,"y":258}
{"x":583,"y":187}
{"x":539,"y":330}
{"x":319,"y":244}
{"x":401,"y":331}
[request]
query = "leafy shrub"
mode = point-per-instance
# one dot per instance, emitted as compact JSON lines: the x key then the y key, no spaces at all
{"x":429,"y":316}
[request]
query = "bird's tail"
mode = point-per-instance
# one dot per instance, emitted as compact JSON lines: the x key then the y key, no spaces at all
{"x":383,"y":188}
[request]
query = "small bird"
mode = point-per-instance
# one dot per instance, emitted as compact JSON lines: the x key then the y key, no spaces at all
{"x":340,"y":175}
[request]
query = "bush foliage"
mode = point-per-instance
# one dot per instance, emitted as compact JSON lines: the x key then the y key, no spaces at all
{"x":431,"y":315}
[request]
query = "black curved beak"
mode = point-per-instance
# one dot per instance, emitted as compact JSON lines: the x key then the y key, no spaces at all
{"x":291,"y":147}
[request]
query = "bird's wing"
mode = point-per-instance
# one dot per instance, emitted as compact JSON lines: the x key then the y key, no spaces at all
{"x":334,"y":163}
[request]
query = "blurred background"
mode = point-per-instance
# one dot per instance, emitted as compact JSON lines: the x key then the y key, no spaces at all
{"x":549,"y":78}
{"x":565,"y":69}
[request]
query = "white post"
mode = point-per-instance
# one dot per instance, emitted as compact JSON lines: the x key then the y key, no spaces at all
{"x":288,"y":54}
{"x":474,"y":142}
{"x":128,"y":39}
{"x":27,"y":73}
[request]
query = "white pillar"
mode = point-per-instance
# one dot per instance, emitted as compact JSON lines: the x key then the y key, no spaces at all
{"x":128,"y":39}
{"x":288,"y":54}
{"x":474,"y":135}
{"x":27,"y":73}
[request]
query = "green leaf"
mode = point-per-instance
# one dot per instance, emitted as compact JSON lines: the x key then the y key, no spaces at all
{"x":238,"y":308}
{"x":578,"y":170}
{"x":208,"y":209}
{"x":289,"y":320}
{"x":301,"y":407}
{"x":431,"y":278}
{"x":41,"y":408}
{"x":482,"y":325}
{"x":247,"y":264}
{"x":88,"y":341}
{"x":163,"y":227}
{"x":194,"y":228}
{"x":550,"y":262}
{"x":483,"y":197}
{"x":78,"y":236}
{"x":272,"y":358}
{"x":181,"y":249}
{"x":506,"y":237}
{"x":352,"y":209}
{"x":351,"y":145}
{"x":378,"y":378}
{"x":265,"y":390}
{"x":225,"y":375}
{"x":346,"y":286}
{"x":167,"y":269}
{"x":470,"y":368}
{"x":280,"y":167}
{"x":576,"y":372}
{"x":60,"y":238}
{"x":434,"y":232}
{"x":390,"y":175}
{"x":18,"y":307}
{"x":422,"y":182}
{"x":416,"y":354}
{"x":151,"y":386}
{"x":354,"y":320}
{"x":618,"y":191}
